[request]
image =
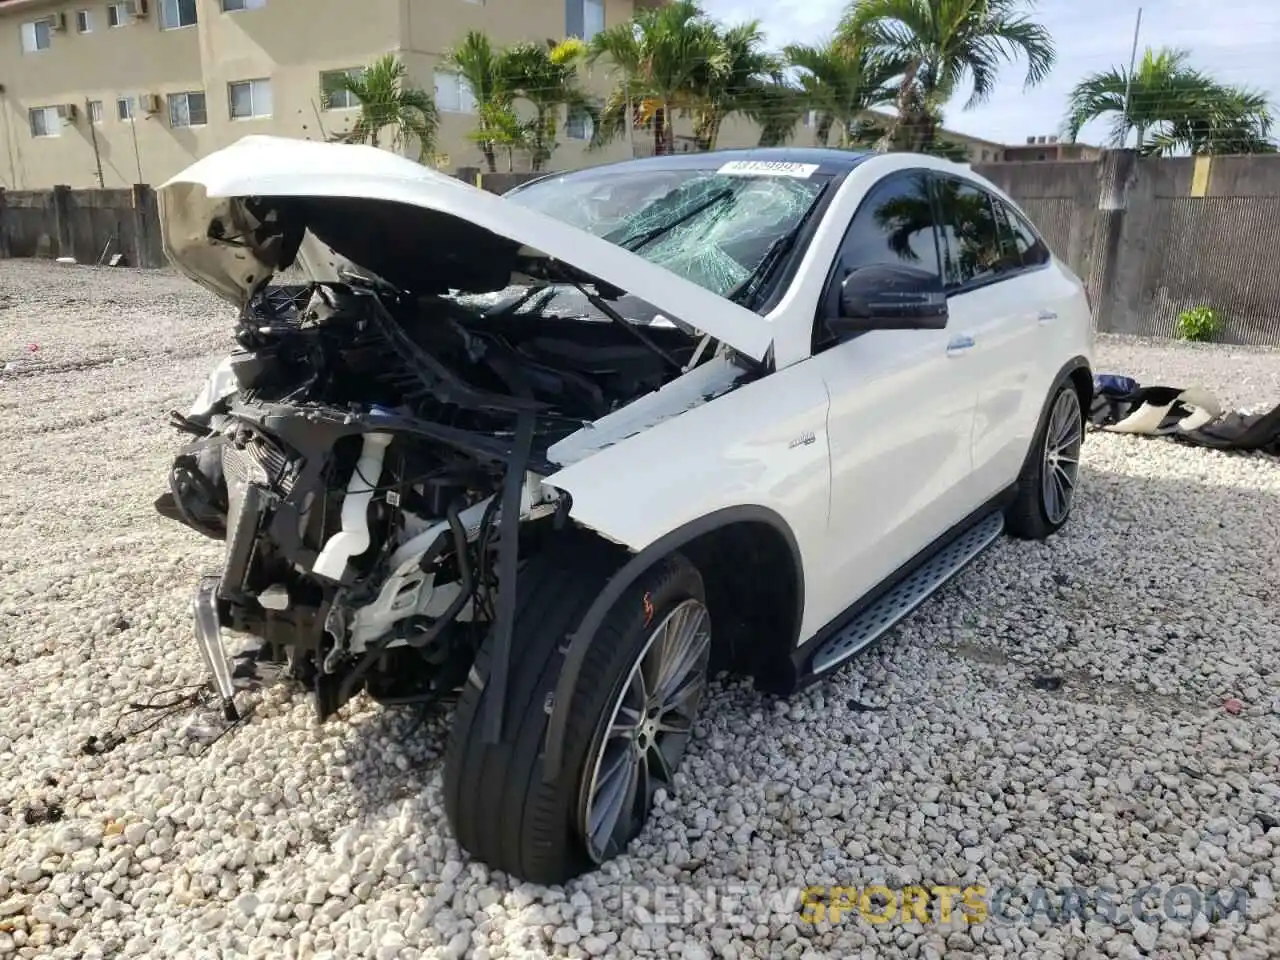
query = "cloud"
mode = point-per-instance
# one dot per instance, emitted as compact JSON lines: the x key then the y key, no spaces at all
{"x":1237,"y":46}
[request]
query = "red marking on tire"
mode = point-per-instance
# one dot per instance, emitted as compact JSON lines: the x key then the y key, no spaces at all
{"x":648,"y":609}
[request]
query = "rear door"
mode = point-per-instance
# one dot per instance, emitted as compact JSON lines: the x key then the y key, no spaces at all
{"x":901,"y":415}
{"x":991,"y":295}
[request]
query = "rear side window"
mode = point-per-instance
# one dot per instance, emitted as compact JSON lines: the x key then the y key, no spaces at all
{"x":970,"y":233}
{"x":1031,"y":250}
{"x":894,"y":224}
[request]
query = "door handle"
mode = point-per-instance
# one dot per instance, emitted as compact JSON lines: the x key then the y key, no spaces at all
{"x":1046,"y":315}
{"x":959,"y":345}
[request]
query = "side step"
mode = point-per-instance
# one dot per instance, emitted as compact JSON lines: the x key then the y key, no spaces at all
{"x":908,"y":593}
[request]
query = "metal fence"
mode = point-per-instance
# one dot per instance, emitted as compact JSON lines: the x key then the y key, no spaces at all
{"x":1218,"y":252}
{"x":1196,"y":232}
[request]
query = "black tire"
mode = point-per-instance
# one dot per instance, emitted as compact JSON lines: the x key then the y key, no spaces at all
{"x":501,"y":810}
{"x":1028,"y":517}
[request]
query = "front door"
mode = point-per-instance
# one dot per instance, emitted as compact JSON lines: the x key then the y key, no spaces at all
{"x":902,"y":405}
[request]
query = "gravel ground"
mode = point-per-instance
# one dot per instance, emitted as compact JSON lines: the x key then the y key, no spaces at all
{"x":1097,"y":711}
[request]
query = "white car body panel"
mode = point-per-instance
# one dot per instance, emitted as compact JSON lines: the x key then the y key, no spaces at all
{"x":900,"y":429}
{"x":279,"y":166}
{"x":867,"y":452}
{"x":719,"y":455}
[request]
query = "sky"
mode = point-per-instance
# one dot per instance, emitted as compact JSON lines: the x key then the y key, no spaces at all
{"x":1238,"y":41}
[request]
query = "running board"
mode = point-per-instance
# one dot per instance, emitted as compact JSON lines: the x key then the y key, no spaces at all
{"x":908,"y":593}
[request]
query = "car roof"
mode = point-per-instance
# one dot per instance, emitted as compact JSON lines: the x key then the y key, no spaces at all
{"x":829,"y":161}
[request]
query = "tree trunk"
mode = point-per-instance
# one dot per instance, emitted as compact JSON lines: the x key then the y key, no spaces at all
{"x":716,"y":120}
{"x":490,"y":155}
{"x":822,"y":132}
{"x":659,"y":131}
{"x":668,"y":129}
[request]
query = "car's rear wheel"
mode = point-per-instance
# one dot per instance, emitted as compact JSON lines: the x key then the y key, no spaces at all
{"x":630,"y":718}
{"x":1047,"y":486}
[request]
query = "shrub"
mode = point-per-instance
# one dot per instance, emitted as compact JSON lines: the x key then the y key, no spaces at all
{"x":1199,"y":323}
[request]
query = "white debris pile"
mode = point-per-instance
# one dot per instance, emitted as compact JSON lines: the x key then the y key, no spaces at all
{"x":1097,"y":712}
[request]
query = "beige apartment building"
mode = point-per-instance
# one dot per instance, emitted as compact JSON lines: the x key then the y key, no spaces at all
{"x":117,"y":93}
{"x":141,"y":88}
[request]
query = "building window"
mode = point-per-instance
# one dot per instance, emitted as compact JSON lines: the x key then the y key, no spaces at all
{"x":45,"y":122}
{"x":187,"y":110}
{"x":117,"y":14}
{"x":177,"y":13}
{"x":335,"y":97}
{"x":250,"y":99}
{"x":36,"y":36}
{"x":84,"y":21}
{"x":583,"y":18}
{"x":453,"y":93}
{"x":232,"y":6}
{"x":95,"y":111}
{"x":126,"y":108}
{"x":578,"y":125}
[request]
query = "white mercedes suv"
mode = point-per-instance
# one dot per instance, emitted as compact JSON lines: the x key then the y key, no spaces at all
{"x":560,"y":455}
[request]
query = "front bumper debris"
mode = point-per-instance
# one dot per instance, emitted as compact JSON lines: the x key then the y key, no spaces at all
{"x":209,"y":640}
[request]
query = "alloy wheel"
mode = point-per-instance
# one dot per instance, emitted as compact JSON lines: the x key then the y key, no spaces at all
{"x":646,"y":731}
{"x":1061,"y":467}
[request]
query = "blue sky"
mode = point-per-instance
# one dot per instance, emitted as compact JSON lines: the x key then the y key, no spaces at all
{"x":1236,"y":40}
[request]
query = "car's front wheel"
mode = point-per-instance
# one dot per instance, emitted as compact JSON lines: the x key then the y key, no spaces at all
{"x":1047,"y":486}
{"x":630,"y":719}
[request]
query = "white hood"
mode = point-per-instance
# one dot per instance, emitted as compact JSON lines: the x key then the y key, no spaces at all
{"x":278,"y":167}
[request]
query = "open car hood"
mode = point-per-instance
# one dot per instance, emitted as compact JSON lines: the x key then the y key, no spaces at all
{"x":235,"y":218}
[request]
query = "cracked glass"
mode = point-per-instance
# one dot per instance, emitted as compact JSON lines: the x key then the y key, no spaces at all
{"x":711,"y":228}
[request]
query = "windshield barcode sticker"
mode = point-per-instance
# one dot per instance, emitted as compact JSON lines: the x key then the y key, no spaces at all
{"x":769,"y":168}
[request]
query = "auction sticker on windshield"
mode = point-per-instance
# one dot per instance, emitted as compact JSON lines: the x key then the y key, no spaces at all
{"x":769,"y":168}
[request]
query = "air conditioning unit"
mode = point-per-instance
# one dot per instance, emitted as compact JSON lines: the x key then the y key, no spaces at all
{"x":1031,"y":139}
{"x":150,"y":102}
{"x":68,"y":112}
{"x":138,"y":9}
{"x":58,"y":22}
{"x":1053,"y":139}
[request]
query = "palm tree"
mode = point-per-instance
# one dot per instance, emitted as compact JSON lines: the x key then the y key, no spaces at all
{"x":387,"y":100}
{"x":546,"y":75}
{"x":935,"y":46}
{"x":840,"y":83}
{"x":1171,"y":107}
{"x":778,"y":107}
{"x":500,"y":129}
{"x":660,"y":53}
{"x":481,"y":66}
{"x":733,"y":80}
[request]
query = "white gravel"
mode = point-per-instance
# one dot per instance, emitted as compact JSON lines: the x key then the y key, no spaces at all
{"x":1153,"y":609}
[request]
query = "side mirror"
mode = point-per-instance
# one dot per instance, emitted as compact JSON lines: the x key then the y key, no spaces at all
{"x":886,"y":296}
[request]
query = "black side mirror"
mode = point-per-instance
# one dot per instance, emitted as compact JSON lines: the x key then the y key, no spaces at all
{"x":885,"y":296}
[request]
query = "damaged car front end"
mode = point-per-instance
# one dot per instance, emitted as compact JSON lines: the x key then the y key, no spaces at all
{"x":378,"y":453}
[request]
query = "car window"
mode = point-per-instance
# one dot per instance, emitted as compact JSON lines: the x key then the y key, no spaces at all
{"x":1032,"y":251}
{"x":894,"y":224}
{"x":970,"y":232}
{"x":713,"y":227}
{"x":1010,"y":255}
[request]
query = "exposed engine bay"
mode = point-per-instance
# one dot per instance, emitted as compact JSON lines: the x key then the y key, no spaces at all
{"x":375,"y":470}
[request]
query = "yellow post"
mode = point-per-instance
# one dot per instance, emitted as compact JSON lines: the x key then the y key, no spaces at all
{"x":1200,"y":176}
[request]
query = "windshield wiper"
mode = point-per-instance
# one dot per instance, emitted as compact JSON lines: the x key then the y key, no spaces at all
{"x":636,"y":241}
{"x":744,"y":293}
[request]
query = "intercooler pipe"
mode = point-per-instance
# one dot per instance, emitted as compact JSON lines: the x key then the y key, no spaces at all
{"x":353,"y":539}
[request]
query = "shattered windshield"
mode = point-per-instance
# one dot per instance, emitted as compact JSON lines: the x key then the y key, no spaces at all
{"x":711,"y":227}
